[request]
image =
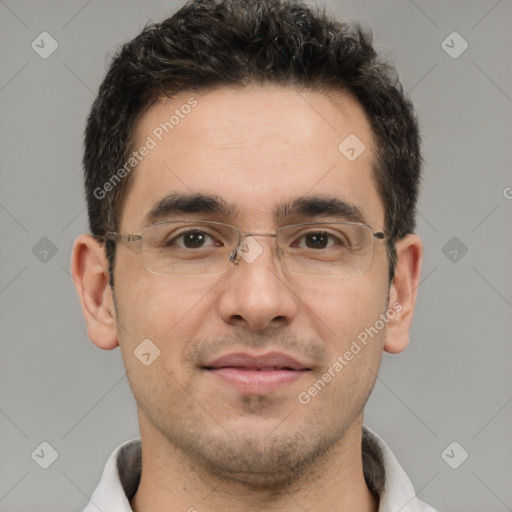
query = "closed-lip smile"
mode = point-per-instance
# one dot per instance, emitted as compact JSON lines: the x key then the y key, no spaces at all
{"x":259,"y":374}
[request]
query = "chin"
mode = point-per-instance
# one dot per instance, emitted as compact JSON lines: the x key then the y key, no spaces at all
{"x":259,"y":460}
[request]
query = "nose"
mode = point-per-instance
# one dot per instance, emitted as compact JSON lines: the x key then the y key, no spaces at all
{"x":257,"y":294}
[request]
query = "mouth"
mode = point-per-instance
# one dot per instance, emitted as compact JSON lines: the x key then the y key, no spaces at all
{"x":262,"y":374}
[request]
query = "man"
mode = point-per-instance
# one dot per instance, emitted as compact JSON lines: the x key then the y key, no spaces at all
{"x":251,"y":172}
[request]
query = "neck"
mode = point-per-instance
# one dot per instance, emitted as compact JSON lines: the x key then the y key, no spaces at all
{"x":171,"y":480}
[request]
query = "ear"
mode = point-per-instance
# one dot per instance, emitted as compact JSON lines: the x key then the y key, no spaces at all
{"x":89,"y":269}
{"x":403,"y":291}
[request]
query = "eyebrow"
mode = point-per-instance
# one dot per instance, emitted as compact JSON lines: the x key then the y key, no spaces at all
{"x":176,"y":203}
{"x":215,"y":206}
{"x":321,"y":207}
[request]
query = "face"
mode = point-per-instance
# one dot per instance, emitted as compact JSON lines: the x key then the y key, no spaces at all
{"x":255,"y":148}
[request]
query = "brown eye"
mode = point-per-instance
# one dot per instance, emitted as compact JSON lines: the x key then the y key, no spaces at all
{"x":317,"y":240}
{"x":192,"y":239}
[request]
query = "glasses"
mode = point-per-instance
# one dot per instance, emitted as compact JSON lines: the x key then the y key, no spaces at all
{"x":201,"y":248}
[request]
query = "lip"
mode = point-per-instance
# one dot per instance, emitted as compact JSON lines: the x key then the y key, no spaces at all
{"x":261,"y":374}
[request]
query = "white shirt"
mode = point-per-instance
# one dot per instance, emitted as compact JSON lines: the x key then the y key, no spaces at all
{"x":122,"y":471}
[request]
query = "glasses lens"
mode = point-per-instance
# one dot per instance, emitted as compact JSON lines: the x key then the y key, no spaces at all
{"x":181,"y":248}
{"x":327,"y":249}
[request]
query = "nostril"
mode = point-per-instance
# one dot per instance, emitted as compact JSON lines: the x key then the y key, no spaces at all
{"x":237,"y":318}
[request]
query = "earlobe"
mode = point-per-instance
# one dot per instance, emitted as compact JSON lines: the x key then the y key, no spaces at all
{"x":89,"y":269}
{"x":403,"y":292}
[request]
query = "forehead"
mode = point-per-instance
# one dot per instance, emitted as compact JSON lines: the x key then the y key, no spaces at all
{"x":254,"y":147}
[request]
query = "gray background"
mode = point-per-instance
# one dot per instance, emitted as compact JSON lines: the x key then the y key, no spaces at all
{"x":453,"y":382}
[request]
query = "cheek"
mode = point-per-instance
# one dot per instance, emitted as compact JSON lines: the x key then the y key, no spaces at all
{"x":153,"y":309}
{"x":345,"y":317}
{"x":340,"y":310}
{"x":167,"y":311}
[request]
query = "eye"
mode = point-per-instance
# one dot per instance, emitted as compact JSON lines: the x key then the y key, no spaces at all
{"x":192,"y":239}
{"x":318,"y":240}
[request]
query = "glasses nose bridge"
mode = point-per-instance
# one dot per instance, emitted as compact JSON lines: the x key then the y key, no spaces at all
{"x":234,"y":253}
{"x":244,"y":235}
